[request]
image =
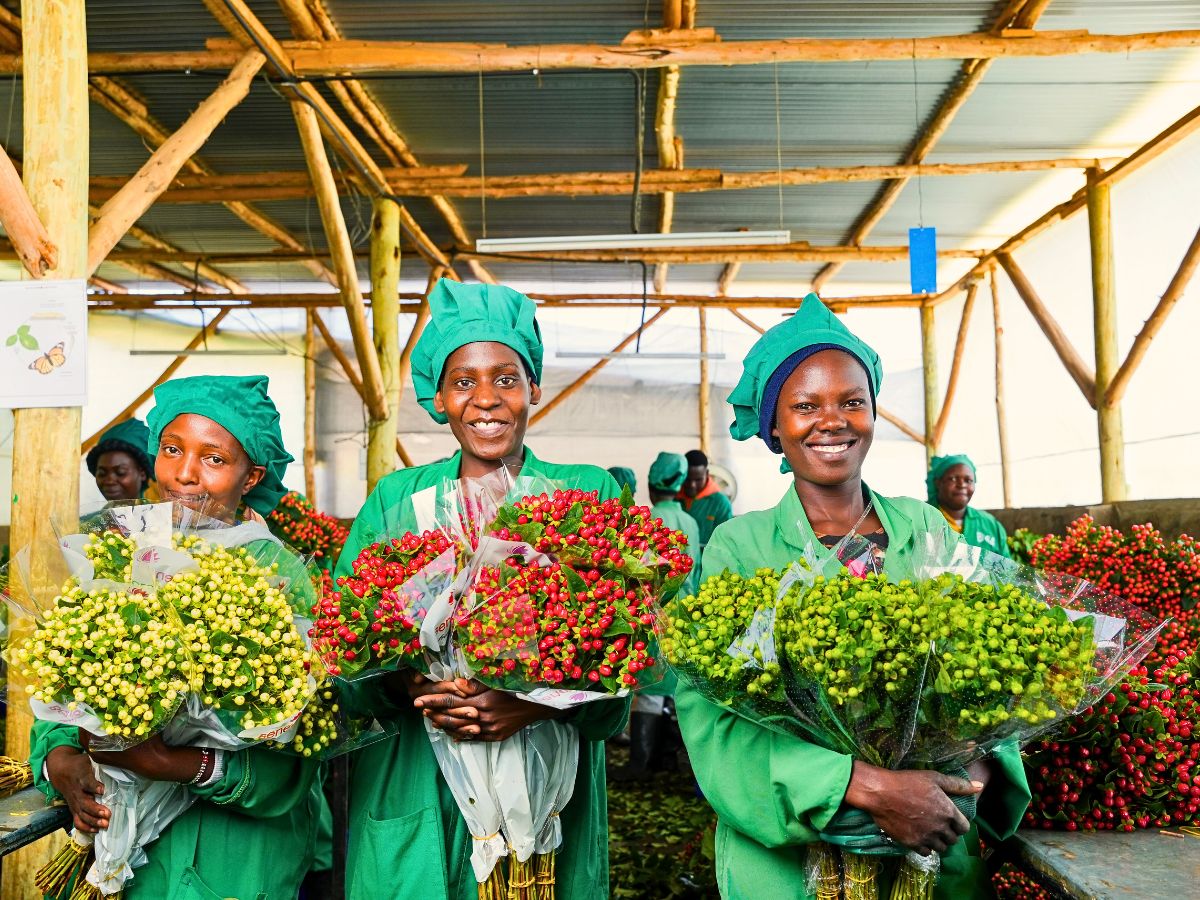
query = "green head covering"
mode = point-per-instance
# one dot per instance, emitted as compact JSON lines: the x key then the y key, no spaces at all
{"x":461,"y":314}
{"x":240,"y":405}
{"x":812,"y":327}
{"x":130,"y":436}
{"x":668,"y":472}
{"x":625,"y":477}
{"x":937,"y":468}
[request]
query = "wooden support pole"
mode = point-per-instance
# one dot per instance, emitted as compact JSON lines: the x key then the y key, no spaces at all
{"x":587,"y":376}
{"x":310,"y":407}
{"x":342,"y":253}
{"x":45,"y":449}
{"x":929,"y":374}
{"x":1104,"y":319}
{"x":166,"y":373}
{"x":1179,"y":284}
{"x":705,"y":428}
{"x":418,"y":327}
{"x":340,"y":355}
{"x":129,"y":203}
{"x":385,"y":312}
{"x":1001,"y":417}
{"x":21,"y":223}
{"x":1075,"y":366}
{"x":960,"y":344}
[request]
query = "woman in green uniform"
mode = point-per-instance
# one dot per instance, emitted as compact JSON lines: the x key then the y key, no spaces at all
{"x":119,"y":462}
{"x":808,"y":390}
{"x":624,"y":477}
{"x":950,"y":485}
{"x":476,"y":367}
{"x":216,"y":444}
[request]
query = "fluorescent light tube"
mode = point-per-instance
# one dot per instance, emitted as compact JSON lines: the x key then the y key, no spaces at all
{"x":584,"y":354}
{"x":633,"y":241}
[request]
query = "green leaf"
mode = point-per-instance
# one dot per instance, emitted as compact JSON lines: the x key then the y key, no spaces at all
{"x":28,"y":341}
{"x":575,"y":582}
{"x":12,"y":339}
{"x":24,"y":329}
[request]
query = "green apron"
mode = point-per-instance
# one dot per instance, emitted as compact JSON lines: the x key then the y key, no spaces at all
{"x":982,"y":529}
{"x":407,"y":837}
{"x":709,"y":512}
{"x":784,"y":790}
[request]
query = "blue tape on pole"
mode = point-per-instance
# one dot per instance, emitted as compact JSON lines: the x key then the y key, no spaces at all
{"x":922,"y":260}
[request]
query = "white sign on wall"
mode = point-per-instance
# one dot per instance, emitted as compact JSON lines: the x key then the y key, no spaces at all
{"x":43,"y":343}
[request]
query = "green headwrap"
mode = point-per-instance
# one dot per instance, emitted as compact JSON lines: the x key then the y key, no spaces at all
{"x":937,"y":468}
{"x":812,"y":324}
{"x":129,"y":436}
{"x":668,"y":472}
{"x":240,"y":405}
{"x":461,"y":314}
{"x":625,"y":477}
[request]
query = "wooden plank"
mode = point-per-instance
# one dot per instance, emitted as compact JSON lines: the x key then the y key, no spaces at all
{"x":21,"y":223}
{"x":587,"y":376}
{"x":1114,"y":865}
{"x":166,"y":373}
{"x":960,"y":344}
{"x":1083,"y":376}
{"x":45,"y":448}
{"x":25,"y":817}
{"x":1175,"y":290}
{"x":339,"y":354}
{"x":929,"y":379}
{"x":385,"y":312}
{"x":338,"y":238}
{"x":1104,"y":321}
{"x":310,"y":407}
{"x":703,"y":394}
{"x":1001,"y":416}
{"x":131,"y":201}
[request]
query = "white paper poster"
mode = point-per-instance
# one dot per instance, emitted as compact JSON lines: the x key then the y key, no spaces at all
{"x":43,"y":343}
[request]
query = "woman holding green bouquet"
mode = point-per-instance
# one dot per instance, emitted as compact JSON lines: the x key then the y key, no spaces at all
{"x":216,"y":445}
{"x":476,"y":367}
{"x":808,"y":390}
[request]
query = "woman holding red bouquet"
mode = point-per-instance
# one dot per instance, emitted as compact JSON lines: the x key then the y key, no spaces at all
{"x":477,"y":367}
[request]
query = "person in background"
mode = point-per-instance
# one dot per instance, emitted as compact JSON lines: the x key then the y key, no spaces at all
{"x":703,"y":499}
{"x":625,"y":477}
{"x":951,"y":485}
{"x":119,"y":462}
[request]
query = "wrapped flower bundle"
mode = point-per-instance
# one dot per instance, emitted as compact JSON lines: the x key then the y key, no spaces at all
{"x":931,"y":672}
{"x":298,"y":523}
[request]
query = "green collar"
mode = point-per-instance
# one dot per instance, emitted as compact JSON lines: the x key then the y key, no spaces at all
{"x":792,"y":523}
{"x":450,"y":468}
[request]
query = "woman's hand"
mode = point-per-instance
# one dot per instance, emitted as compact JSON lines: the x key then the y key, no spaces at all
{"x":72,"y":775}
{"x":483,"y":715}
{"x":913,"y":807}
{"x":151,"y":759}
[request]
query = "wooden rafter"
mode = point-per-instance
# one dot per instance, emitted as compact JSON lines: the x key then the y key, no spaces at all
{"x":960,"y":344}
{"x":339,"y":354}
{"x":670,"y":145}
{"x":21,"y":223}
{"x":451,"y":181}
{"x":1001,"y":416}
{"x":969,"y":78}
{"x":139,"y":193}
{"x":310,"y":20}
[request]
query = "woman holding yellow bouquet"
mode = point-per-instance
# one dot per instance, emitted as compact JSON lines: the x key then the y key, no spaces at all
{"x":216,"y":445}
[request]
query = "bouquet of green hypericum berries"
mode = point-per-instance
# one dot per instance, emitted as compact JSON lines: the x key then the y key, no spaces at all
{"x":933,"y":670}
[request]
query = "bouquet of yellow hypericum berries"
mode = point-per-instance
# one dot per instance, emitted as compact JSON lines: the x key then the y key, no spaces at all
{"x":154,"y":620}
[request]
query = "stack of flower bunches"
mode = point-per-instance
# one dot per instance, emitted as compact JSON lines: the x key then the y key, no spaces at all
{"x":302,"y":526}
{"x":371,"y":620}
{"x":1160,"y":576}
{"x":1132,"y":761}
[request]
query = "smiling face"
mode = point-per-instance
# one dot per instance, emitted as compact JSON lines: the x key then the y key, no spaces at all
{"x":204,"y":467}
{"x":955,"y":488}
{"x":119,"y":476}
{"x":486,"y":394}
{"x":824,"y":419}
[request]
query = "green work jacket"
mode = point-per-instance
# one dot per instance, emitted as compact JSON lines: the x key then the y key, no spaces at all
{"x":981,"y":529}
{"x":784,"y":790}
{"x":709,"y":511}
{"x":250,"y":835}
{"x":407,"y":837}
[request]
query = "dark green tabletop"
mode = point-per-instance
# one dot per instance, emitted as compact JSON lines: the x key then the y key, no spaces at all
{"x":1112,"y":865}
{"x":25,"y":818}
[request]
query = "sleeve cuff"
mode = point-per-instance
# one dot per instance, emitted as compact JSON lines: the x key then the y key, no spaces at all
{"x":1007,"y":796}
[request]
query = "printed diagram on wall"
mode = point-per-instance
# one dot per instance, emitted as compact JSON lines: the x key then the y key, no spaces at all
{"x":43,"y":326}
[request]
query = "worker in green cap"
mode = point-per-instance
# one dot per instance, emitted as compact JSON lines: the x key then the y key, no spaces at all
{"x":702,"y":497}
{"x":950,"y":485}
{"x":476,"y":367}
{"x":646,"y":722}
{"x":625,"y":477}
{"x":808,"y":391}
{"x":119,"y":462}
{"x":217,"y":445}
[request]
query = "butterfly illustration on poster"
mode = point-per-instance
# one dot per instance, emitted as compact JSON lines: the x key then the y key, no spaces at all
{"x":43,"y":343}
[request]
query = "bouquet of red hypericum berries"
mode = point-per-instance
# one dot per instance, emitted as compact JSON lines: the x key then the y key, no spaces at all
{"x":313,"y":533}
{"x":546,"y":592}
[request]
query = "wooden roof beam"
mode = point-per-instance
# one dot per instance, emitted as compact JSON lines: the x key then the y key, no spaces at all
{"x":969,"y":78}
{"x":37,"y":252}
